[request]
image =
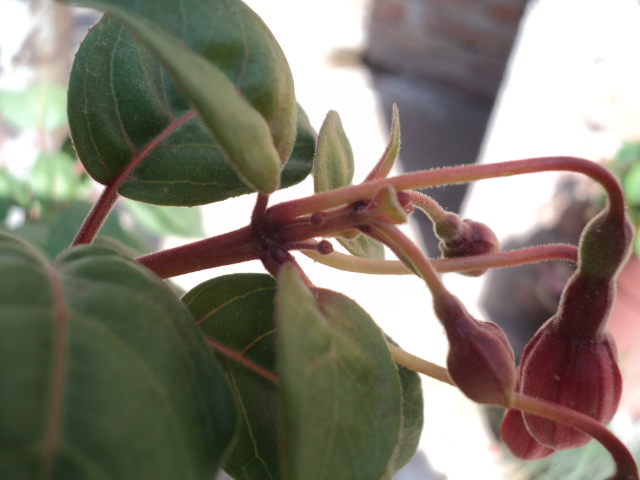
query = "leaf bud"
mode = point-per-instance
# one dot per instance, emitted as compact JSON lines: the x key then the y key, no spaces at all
{"x":466,"y":238}
{"x":480,"y":358}
{"x":578,"y":373}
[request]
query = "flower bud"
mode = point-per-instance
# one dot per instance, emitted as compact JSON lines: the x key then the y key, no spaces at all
{"x":480,"y":358}
{"x":517,"y":438}
{"x":466,"y":238}
{"x":605,"y":244}
{"x":578,"y":373}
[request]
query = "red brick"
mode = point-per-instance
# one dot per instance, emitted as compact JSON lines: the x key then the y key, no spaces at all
{"x":467,"y":37}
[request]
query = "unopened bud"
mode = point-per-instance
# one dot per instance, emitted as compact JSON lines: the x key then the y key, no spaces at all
{"x":517,"y":438}
{"x":480,"y":358}
{"x":578,"y":373}
{"x":605,"y":245}
{"x":466,"y":238}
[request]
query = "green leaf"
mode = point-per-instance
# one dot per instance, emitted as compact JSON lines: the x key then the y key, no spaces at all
{"x":333,"y":168}
{"x":340,"y":391}
{"x":40,"y":106}
{"x":54,"y":177}
{"x":182,"y":221}
{"x":300,"y":163}
{"x":236,"y":314}
{"x":363,"y":246}
{"x":386,"y":162}
{"x":412,"y":418}
{"x":108,"y":374}
{"x":333,"y":165}
{"x":226,"y":64}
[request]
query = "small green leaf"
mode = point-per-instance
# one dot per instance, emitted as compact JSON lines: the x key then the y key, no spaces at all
{"x":363,"y":246}
{"x":333,"y":165}
{"x":220,"y":43}
{"x":40,"y":106}
{"x":386,"y":162}
{"x":340,"y":391}
{"x":182,"y":221}
{"x":109,"y":375}
{"x":236,"y":314}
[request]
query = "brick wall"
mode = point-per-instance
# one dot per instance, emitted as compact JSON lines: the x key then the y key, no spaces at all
{"x":462,"y":42}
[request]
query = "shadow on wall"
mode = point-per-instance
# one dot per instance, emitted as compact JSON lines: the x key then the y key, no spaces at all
{"x":442,"y":62}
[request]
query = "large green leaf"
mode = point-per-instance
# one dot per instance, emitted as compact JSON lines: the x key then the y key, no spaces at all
{"x":340,"y":391}
{"x":236,"y":314}
{"x":300,"y":162}
{"x":103,"y":373}
{"x":412,"y":418}
{"x":227,"y":49}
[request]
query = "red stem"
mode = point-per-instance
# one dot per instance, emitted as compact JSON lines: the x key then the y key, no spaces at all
{"x":233,"y":247}
{"x":450,"y":175}
{"x":100,"y":211}
{"x":625,"y":464}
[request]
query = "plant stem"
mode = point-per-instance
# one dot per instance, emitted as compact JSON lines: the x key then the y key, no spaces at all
{"x":625,"y":464}
{"x":98,"y":214}
{"x":419,"y":365}
{"x":410,"y":255}
{"x":351,"y":263}
{"x":233,"y":247}
{"x":257,"y":216}
{"x":428,"y":205}
{"x":450,"y":175}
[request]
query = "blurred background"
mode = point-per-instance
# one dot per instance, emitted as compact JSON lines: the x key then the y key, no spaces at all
{"x":475,"y":81}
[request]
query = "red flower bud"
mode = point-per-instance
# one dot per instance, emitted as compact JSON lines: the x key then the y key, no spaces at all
{"x":480,"y":358}
{"x":517,"y":438}
{"x":579,"y":373}
{"x":466,"y":238}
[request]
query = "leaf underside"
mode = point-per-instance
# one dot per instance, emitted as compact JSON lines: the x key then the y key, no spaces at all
{"x":104,"y":372}
{"x":115,"y":78}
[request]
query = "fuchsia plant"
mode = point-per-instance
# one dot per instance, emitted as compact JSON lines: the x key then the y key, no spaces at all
{"x":268,"y":376}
